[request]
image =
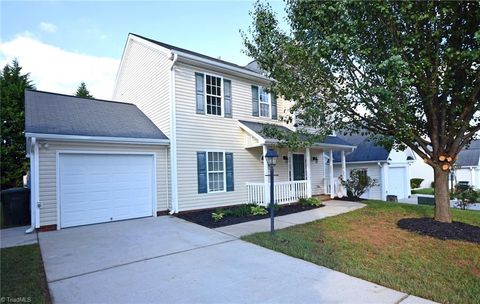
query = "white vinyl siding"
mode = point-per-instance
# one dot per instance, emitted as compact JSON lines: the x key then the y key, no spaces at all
{"x":210,"y":133}
{"x":144,"y":80}
{"x":48,"y":166}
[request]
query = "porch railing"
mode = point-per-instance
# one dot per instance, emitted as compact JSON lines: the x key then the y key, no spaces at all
{"x":285,"y":192}
{"x":328,"y":187}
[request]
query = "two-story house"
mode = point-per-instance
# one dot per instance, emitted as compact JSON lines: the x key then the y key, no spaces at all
{"x":184,"y":134}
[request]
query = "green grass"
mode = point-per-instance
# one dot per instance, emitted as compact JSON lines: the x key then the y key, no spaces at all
{"x":430,"y":191}
{"x":367,"y":244}
{"x":23,"y":277}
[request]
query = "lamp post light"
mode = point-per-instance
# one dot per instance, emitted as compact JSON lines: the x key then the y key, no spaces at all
{"x":271,"y":158}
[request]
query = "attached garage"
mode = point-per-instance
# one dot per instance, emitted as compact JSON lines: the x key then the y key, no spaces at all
{"x":96,"y":188}
{"x":93,"y":161}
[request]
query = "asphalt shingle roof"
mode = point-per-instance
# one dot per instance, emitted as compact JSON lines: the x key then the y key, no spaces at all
{"x":258,"y":127}
{"x":52,"y":113}
{"x":366,"y":150}
{"x":470,"y":156}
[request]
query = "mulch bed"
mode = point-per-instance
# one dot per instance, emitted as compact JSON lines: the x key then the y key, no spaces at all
{"x":444,"y":231}
{"x":204,"y":217}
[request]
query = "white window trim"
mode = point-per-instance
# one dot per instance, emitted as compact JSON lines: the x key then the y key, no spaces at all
{"x":224,"y":172}
{"x":222,"y":103}
{"x":260,"y":88}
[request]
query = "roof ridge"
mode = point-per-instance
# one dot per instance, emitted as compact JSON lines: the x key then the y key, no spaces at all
{"x":79,"y":97}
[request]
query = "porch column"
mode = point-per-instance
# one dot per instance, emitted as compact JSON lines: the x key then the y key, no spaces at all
{"x":332,"y":188}
{"x":266,"y":189}
{"x":344,"y":170}
{"x":309,"y":175}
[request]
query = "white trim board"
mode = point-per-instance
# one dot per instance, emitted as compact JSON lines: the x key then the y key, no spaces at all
{"x":146,"y":141}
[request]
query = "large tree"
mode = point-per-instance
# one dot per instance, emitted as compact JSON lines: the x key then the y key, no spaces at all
{"x":82,"y":91}
{"x":406,"y":72}
{"x":12,"y":112}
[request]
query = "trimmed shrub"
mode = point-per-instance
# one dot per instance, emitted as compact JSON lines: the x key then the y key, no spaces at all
{"x":416,"y":182}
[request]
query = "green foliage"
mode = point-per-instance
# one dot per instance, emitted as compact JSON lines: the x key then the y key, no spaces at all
{"x":429,"y":191}
{"x":358,"y":183}
{"x":416,"y":182}
{"x":312,"y":201}
{"x":82,"y":91}
{"x":14,"y":163}
{"x":466,"y":196}
{"x":258,"y":210}
{"x":404,"y":72}
{"x":217,"y":216}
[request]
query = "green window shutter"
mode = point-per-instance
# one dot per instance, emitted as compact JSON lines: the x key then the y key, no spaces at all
{"x":227,"y":97}
{"x":202,"y":172}
{"x":229,"y":171}
{"x":274,"y":106}
{"x":199,"y":92}
{"x":255,"y":100}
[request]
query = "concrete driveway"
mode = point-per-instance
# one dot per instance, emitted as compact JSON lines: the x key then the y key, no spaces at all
{"x":168,"y":260}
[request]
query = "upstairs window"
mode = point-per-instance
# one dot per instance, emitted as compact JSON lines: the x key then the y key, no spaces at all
{"x":213,"y":94}
{"x":264,"y":99}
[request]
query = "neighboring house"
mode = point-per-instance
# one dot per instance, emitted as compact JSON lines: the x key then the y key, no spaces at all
{"x":191,"y":139}
{"x":391,"y":169}
{"x":466,"y":168}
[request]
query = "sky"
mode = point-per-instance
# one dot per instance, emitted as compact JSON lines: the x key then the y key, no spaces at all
{"x":61,"y":43}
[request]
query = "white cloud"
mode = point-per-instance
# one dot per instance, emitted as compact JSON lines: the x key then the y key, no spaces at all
{"x":57,"y":70}
{"x":48,"y":27}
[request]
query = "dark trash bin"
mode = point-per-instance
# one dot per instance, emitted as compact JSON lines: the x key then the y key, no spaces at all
{"x":15,"y":207}
{"x":392,"y":198}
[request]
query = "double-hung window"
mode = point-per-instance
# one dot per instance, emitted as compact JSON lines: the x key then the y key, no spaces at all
{"x":213,"y":93}
{"x":216,"y":171}
{"x":264,"y":100}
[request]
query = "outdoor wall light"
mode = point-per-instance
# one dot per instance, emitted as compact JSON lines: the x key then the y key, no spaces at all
{"x":285,"y":158}
{"x":315,"y":159}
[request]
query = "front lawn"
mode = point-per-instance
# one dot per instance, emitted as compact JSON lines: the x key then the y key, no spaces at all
{"x":367,"y":244}
{"x":23,"y":278}
{"x":429,"y":191}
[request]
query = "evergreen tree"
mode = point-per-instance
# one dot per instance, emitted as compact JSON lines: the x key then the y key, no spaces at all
{"x":82,"y":91}
{"x":14,"y":163}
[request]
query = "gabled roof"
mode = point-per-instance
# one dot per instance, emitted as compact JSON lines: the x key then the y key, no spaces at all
{"x":366,"y":151}
{"x":51,"y":113}
{"x":257,"y":128}
{"x":182,"y":50}
{"x":470,"y":156}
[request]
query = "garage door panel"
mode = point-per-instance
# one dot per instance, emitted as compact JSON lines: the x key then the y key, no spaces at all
{"x":97,"y":188}
{"x":397,"y":182}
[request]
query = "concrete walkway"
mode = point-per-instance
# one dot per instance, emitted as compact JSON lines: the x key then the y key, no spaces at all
{"x":12,"y":237}
{"x":331,"y":208}
{"x":169,"y":260}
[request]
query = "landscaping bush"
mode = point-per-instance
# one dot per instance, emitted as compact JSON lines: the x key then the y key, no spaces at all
{"x":358,"y":183}
{"x":466,"y":196}
{"x":416,"y":182}
{"x":312,"y":201}
{"x":217,"y":216}
{"x":432,"y":185}
{"x":258,"y":210}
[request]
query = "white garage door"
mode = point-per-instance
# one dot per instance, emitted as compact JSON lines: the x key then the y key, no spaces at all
{"x":397,"y":182}
{"x":96,"y":188}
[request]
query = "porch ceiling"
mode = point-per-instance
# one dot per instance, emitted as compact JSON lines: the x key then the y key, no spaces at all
{"x":255,"y":129}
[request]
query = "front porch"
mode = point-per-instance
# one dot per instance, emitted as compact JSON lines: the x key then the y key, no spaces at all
{"x":298,"y":174}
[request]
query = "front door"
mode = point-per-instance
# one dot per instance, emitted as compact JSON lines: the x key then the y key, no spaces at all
{"x":298,"y":167}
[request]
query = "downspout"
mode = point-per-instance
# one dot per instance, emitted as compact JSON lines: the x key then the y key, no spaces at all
{"x":382,"y":179}
{"x":173,"y":137}
{"x":33,"y":142}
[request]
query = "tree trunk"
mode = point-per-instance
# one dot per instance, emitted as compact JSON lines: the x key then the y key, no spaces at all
{"x":442,"y":197}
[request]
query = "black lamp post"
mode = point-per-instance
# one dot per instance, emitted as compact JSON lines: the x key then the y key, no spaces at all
{"x":271,"y":158}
